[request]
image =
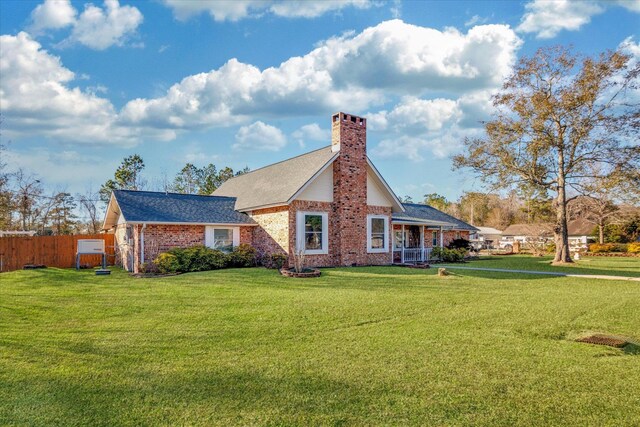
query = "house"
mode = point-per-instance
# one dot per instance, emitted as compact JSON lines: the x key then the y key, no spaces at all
{"x":332,"y":204}
{"x":579,"y":231}
{"x":486,"y":238}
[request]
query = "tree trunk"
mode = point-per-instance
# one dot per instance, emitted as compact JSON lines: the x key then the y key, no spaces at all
{"x":560,"y":230}
{"x":601,"y":232}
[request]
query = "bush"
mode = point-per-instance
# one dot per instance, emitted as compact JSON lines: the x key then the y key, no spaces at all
{"x":167,"y":263}
{"x":634,"y":248}
{"x":449,"y":255}
{"x":602,"y":247}
{"x":276,"y":260}
{"x":242,"y":256}
{"x":199,"y":258}
{"x":459,"y":244}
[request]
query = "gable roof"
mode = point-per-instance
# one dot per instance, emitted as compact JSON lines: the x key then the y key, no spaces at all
{"x":275,"y":184}
{"x":418,"y":213}
{"x":542,"y":229}
{"x":280,"y":183}
{"x":580,"y":227}
{"x":488,"y":230}
{"x":172,"y":208}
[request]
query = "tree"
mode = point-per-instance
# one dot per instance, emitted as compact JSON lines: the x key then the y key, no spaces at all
{"x":205,"y":180}
{"x":62,"y":214}
{"x":474,"y":207}
{"x":6,"y":195}
{"x":88,"y":204}
{"x":28,"y":191}
{"x":187,"y":180}
{"x":556,"y":116}
{"x":126,"y":177}
{"x":437,"y":201}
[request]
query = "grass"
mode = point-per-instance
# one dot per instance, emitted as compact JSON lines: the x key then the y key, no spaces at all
{"x":359,"y":346}
{"x":613,"y":266}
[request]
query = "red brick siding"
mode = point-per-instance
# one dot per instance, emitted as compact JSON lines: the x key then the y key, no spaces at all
{"x":314,"y":260}
{"x":272,"y":233}
{"x":380,"y":258}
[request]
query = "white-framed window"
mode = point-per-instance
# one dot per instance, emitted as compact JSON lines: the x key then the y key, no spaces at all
{"x":222,"y":238}
{"x":312,"y":232}
{"x":434,"y":238}
{"x":377,"y":233}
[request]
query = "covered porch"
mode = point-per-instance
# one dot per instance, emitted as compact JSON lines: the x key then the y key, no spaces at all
{"x":413,"y":241}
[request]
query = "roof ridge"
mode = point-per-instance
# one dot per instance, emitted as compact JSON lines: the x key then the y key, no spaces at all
{"x":174,"y":193}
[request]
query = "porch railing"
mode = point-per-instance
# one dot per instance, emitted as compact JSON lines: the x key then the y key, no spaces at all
{"x":413,"y":255}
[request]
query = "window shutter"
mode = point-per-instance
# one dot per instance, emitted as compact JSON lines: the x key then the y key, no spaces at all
{"x":208,"y":236}
{"x":236,"y":236}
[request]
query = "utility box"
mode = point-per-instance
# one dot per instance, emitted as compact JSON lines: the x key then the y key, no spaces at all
{"x":90,"y":246}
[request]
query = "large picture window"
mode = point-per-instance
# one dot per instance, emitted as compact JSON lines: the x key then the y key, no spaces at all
{"x":312,"y":233}
{"x":378,"y":233}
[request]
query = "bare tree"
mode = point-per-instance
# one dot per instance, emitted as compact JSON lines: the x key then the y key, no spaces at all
{"x":556,"y":116}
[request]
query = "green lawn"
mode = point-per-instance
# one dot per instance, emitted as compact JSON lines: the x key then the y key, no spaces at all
{"x":359,"y":346}
{"x":614,"y":266}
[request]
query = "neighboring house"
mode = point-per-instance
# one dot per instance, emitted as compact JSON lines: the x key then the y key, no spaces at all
{"x":486,"y":238}
{"x":579,"y":230}
{"x":332,"y":204}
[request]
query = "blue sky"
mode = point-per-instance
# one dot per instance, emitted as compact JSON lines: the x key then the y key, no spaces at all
{"x":248,"y":83}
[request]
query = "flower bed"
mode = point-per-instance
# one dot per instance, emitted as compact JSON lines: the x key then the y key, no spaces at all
{"x":306,"y":273}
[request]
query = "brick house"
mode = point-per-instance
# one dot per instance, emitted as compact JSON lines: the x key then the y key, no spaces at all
{"x":331,"y":203}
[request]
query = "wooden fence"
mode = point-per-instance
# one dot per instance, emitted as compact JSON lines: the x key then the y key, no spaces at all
{"x":52,"y":251}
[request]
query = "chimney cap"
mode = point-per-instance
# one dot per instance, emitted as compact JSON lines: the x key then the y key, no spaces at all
{"x":341,"y":116}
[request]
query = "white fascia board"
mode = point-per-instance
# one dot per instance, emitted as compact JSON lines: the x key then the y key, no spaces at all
{"x":112,"y":202}
{"x":386,"y":186}
{"x":217,"y":224}
{"x":313,"y":178}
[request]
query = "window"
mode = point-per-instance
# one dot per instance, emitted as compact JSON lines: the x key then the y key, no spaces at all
{"x":378,"y":233}
{"x":312,"y":233}
{"x":434,"y":238}
{"x":457,"y":234}
{"x":222,"y":239}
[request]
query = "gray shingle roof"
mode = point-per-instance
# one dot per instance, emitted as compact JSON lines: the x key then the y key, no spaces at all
{"x":151,"y":206}
{"x":277,"y":183}
{"x":415,"y":212}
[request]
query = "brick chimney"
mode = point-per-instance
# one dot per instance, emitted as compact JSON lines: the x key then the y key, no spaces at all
{"x":349,"y":138}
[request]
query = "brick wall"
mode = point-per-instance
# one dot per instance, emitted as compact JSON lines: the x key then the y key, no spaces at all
{"x":381,"y":258}
{"x":272,"y":233}
{"x":314,"y":260}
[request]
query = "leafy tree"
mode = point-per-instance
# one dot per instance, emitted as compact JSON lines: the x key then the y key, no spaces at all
{"x":205,"y":180}
{"x":437,"y":201}
{"x":126,"y":177}
{"x":556,"y":117}
{"x":187,"y":180}
{"x":63,"y":215}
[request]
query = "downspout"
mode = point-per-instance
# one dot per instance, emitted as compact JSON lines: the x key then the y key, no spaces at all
{"x":441,"y":238}
{"x":142,"y":243}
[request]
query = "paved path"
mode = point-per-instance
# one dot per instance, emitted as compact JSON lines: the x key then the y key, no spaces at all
{"x":546,"y":273}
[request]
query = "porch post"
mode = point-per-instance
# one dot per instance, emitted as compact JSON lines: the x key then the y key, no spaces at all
{"x":422,"y":243}
{"x":441,"y":238}
{"x":402,"y":252}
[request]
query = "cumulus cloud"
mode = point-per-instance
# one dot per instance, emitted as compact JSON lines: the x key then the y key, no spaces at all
{"x":95,"y":28}
{"x":355,"y":70}
{"x":241,"y":9}
{"x":36,"y":98}
{"x":548,"y":18}
{"x":312,"y":132}
{"x":260,"y":136}
{"x":415,"y":127}
{"x":102,"y":28}
{"x":52,"y":14}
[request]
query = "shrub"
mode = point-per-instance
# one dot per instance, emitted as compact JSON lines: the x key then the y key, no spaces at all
{"x":634,"y":248}
{"x":242,"y":256}
{"x":276,"y":260}
{"x":199,"y":258}
{"x":449,"y":255}
{"x":602,"y":247}
{"x":459,"y":244}
{"x":167,"y":263}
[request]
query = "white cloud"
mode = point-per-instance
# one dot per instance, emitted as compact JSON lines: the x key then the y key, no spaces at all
{"x":37,"y":99}
{"x":354,"y":71}
{"x":241,"y":9}
{"x":52,"y":14}
{"x":312,"y":132}
{"x":548,"y":18}
{"x":102,"y":28}
{"x":260,"y":136}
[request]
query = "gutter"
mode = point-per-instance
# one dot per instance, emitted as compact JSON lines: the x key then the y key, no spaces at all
{"x":142,"y":243}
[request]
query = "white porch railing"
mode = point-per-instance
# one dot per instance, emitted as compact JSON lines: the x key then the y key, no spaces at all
{"x":414,"y":255}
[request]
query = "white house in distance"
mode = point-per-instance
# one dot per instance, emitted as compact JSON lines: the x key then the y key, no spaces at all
{"x":485,"y":238}
{"x":579,"y":234}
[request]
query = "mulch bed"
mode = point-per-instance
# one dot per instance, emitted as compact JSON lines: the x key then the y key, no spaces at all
{"x":601,"y":339}
{"x":613,"y":254}
{"x":307,"y":273}
{"x":33,"y":266}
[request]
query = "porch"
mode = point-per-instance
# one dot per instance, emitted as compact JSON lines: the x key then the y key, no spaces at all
{"x":413,"y":244}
